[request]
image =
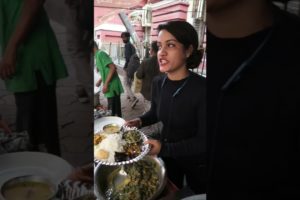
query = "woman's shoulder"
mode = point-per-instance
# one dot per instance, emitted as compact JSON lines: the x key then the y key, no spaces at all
{"x":197,"y":77}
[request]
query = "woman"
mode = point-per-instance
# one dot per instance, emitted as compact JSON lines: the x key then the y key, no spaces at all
{"x":178,"y":101}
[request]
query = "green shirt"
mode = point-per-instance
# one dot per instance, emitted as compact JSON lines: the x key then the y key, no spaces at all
{"x":39,"y":51}
{"x":102,"y":62}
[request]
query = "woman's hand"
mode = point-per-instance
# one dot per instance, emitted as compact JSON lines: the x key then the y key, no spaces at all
{"x":8,"y":64}
{"x":105,"y":88}
{"x":134,"y":123}
{"x":155,"y":146}
{"x":83,"y":174}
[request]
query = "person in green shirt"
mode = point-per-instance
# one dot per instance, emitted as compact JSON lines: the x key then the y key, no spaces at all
{"x":112,"y":86}
{"x":30,"y":65}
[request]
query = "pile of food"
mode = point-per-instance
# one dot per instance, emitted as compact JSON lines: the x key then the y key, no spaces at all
{"x":117,"y":147}
{"x":141,"y":182}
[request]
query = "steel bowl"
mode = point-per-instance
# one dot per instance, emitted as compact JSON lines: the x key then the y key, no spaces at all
{"x":30,"y":179}
{"x":102,"y":173}
{"x":109,"y":126}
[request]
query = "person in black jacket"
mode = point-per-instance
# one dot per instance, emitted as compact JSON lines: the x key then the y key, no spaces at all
{"x":129,"y":52}
{"x":146,"y":72}
{"x":133,"y":65}
{"x":253,"y":101}
{"x":178,"y":101}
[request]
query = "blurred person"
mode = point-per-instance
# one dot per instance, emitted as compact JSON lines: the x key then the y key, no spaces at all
{"x":112,"y":86}
{"x":148,"y":69}
{"x":133,"y":65}
{"x":98,"y":41}
{"x":253,"y":101}
{"x":129,"y":51}
{"x":79,"y":28}
{"x":179,"y":102}
{"x":4,"y":126}
{"x":31,"y":65}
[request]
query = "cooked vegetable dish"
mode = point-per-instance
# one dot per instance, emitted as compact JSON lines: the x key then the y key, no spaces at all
{"x":141,"y":182}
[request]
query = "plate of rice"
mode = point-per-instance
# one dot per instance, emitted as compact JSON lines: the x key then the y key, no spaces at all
{"x":120,"y":148}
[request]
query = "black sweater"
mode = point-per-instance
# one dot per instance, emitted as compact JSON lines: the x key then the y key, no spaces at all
{"x":180,"y":106}
{"x":253,"y":126}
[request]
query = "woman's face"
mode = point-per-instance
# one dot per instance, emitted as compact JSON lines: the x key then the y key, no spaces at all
{"x":171,"y":54}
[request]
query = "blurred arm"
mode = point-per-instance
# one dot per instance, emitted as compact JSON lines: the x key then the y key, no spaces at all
{"x":29,"y":13}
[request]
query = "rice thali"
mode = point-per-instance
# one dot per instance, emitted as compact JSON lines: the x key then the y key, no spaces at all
{"x":116,"y":144}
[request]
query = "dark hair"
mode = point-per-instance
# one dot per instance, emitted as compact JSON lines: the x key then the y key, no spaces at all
{"x":126,"y":34}
{"x":154,"y":46}
{"x":186,"y":34}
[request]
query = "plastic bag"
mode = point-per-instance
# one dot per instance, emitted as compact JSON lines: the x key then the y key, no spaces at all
{"x":14,"y":142}
{"x":137,"y":84}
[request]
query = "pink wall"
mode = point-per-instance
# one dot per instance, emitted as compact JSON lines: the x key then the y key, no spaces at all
{"x":162,"y":14}
{"x":102,"y":15}
{"x":124,"y":4}
{"x":108,"y":13}
{"x":110,"y":16}
{"x":109,"y":36}
{"x":107,"y":7}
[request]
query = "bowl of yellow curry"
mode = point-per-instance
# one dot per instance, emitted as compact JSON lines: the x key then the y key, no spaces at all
{"x":29,"y":187}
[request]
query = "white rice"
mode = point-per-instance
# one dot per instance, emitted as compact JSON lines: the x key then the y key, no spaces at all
{"x":111,"y":143}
